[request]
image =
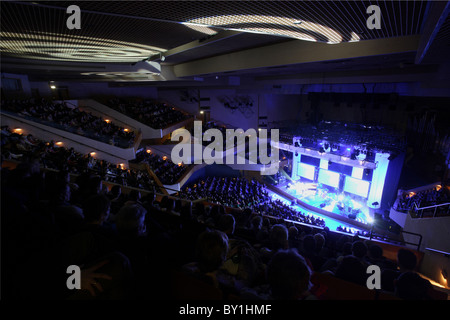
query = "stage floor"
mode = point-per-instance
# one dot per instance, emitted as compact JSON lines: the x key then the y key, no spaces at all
{"x":318,"y":197}
{"x":331,"y":223}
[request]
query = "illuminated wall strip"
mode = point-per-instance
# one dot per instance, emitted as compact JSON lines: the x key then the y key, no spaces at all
{"x":378,"y":179}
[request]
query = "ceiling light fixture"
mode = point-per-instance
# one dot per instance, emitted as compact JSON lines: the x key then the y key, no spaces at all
{"x":36,"y":45}
{"x":273,"y":25}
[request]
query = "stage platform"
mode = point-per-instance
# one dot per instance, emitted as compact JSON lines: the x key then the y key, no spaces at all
{"x":309,"y":202}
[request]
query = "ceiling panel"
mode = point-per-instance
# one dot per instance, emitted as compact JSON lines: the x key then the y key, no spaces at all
{"x":129,"y":31}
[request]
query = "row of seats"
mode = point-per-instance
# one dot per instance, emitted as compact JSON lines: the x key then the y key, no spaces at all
{"x":407,"y":201}
{"x":155,"y":114}
{"x":72,"y":119}
{"x":163,"y":245}
{"x":28,"y":149}
{"x":145,"y":243}
{"x":167,"y":172}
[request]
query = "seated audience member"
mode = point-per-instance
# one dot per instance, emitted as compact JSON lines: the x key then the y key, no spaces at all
{"x":130,"y":220}
{"x":67,"y":216}
{"x":211,"y":253}
{"x":242,"y":259}
{"x":278,"y":238}
{"x":359,"y":250}
{"x":289,"y":276}
{"x":94,"y":239}
{"x":259,"y":232}
{"x":132,"y":241}
{"x":115,"y":192}
{"x":410,"y":286}
{"x":406,"y":262}
{"x":351,"y":269}
{"x":149,"y":201}
{"x":375,"y":256}
{"x":96,"y":209}
{"x":116,"y":197}
{"x":309,"y":253}
{"x":226,"y":224}
{"x":293,"y":234}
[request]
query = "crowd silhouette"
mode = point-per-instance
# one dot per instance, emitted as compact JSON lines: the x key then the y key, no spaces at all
{"x":131,"y":244}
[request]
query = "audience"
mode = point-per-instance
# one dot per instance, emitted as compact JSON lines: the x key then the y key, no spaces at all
{"x":241,"y":193}
{"x":289,"y":276}
{"x":166,"y":171}
{"x":157,"y":115}
{"x":411,"y":200}
{"x":127,"y":243}
{"x":72,"y":119}
{"x":15,"y":147}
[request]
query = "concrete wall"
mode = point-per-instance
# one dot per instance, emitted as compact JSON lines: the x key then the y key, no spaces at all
{"x":277,"y":107}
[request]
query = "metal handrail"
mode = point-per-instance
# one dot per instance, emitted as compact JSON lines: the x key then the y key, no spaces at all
{"x":436,"y":205}
{"x":416,"y":209}
{"x":402,"y":241}
{"x":445,"y":254}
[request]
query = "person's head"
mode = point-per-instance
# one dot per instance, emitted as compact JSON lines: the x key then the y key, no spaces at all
{"x":116,"y":191}
{"x":96,"y":209}
{"x":226,"y":224}
{"x":309,"y":244}
{"x":288,"y":275}
{"x":351,"y":269}
{"x":320,"y":241}
{"x":279,"y":237}
{"x":62,"y":191}
{"x":257,"y":222}
{"x":346,"y":248}
{"x":130,"y":219}
{"x":406,"y":260}
{"x":293,"y":232}
{"x":359,"y":249}
{"x":375,"y":252}
{"x":211,"y":250}
{"x":94,"y":185}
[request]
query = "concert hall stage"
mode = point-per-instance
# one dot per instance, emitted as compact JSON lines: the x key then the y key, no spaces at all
{"x":313,"y":198}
